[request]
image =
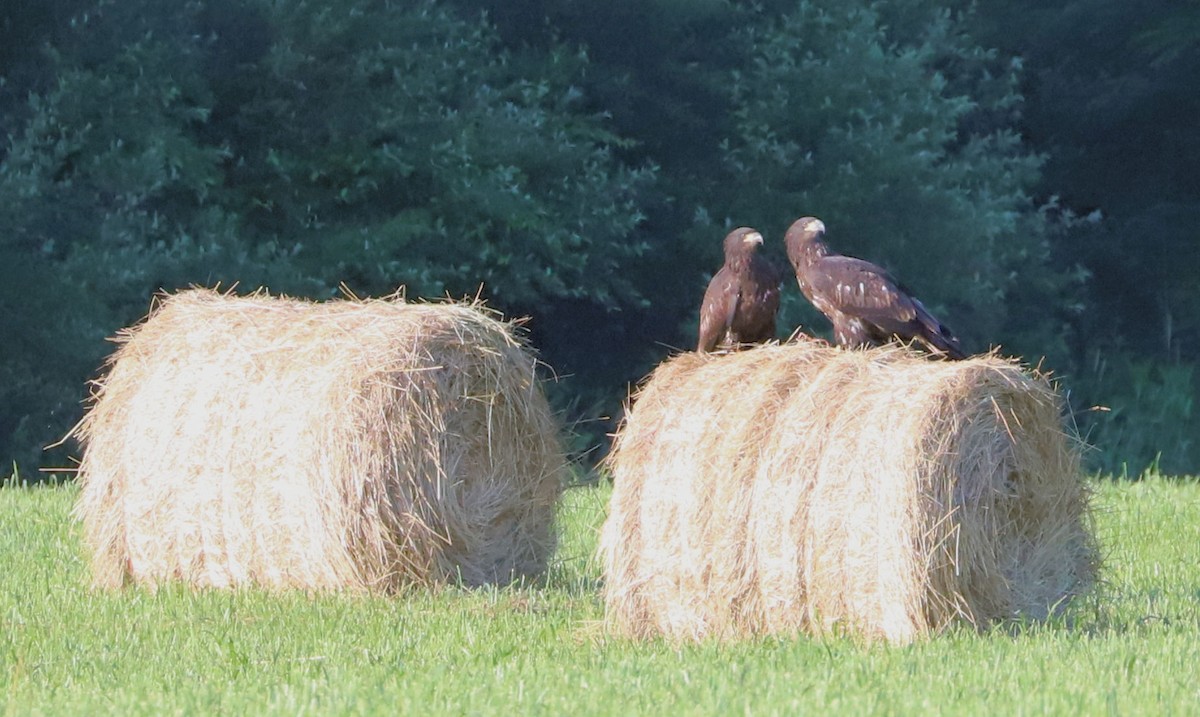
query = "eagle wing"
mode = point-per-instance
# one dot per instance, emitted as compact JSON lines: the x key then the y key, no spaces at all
{"x":873,"y":303}
{"x":864,"y":291}
{"x":718,"y":309}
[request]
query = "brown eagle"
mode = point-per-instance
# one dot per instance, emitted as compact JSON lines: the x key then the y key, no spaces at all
{"x":865,"y":304}
{"x":743,"y":297}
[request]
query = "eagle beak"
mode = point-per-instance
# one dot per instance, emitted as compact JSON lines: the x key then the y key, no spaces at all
{"x":753,"y":238}
{"x":817,"y":226}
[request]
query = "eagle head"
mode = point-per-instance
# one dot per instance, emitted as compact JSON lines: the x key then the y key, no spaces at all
{"x":805,"y":240}
{"x":808,"y":226}
{"x":742,"y":240}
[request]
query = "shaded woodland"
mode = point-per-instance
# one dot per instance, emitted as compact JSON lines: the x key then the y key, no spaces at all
{"x":1032,"y":171}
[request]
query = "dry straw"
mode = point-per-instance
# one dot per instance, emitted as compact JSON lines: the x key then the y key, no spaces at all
{"x":348,"y":444}
{"x":878,"y":493}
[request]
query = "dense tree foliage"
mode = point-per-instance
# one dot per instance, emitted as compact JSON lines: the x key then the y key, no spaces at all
{"x":887,"y":120}
{"x":1111,"y":102}
{"x":580,"y":162}
{"x":895,"y":130}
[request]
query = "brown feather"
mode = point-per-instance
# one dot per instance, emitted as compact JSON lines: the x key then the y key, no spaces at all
{"x":866,"y":306}
{"x":742,"y":299}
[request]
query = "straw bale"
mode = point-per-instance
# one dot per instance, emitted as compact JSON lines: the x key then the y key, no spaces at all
{"x":361,"y":445}
{"x":803,"y":488}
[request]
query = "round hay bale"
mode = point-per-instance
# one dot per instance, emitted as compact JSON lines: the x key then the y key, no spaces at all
{"x":347,"y":444}
{"x":801,"y":487}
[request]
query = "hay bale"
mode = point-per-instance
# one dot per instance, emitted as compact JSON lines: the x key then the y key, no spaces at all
{"x":806,"y":488}
{"x":348,"y":445}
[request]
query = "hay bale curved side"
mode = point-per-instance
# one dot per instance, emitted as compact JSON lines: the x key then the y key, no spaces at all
{"x":804,"y":488}
{"x":355,"y":445}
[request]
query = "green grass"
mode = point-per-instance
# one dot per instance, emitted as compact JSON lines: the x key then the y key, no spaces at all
{"x":1132,"y":648}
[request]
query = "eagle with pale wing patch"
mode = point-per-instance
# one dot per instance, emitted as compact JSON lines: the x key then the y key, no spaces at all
{"x":865,"y":304}
{"x":743,"y":297}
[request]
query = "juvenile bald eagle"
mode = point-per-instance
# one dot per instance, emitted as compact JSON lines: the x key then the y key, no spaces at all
{"x":743,"y":297}
{"x":865,"y":304}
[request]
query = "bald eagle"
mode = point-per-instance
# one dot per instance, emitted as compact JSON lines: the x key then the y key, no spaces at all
{"x":743,"y":297}
{"x":865,"y":304}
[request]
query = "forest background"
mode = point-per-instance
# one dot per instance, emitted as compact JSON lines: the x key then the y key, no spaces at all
{"x":1031,"y":170}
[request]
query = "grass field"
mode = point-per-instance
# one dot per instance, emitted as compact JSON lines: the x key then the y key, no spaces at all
{"x":1132,"y":648}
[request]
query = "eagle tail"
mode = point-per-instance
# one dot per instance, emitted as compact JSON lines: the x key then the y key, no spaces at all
{"x":937,"y":335}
